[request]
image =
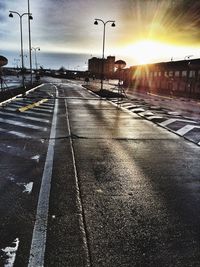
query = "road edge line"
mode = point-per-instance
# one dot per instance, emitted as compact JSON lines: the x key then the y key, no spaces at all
{"x":38,"y":244}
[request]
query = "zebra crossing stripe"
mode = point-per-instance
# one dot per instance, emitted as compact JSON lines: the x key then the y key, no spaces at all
{"x":22,"y":124}
{"x":23,"y":117}
{"x":186,"y":129}
{"x":169,"y":121}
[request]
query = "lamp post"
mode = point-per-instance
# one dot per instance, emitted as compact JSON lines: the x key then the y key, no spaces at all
{"x":104,"y":28}
{"x":21,"y":33}
{"x":29,"y":36}
{"x":36,"y":49}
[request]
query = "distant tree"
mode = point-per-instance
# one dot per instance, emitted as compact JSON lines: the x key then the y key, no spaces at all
{"x":62,"y":70}
{"x":41,"y":71}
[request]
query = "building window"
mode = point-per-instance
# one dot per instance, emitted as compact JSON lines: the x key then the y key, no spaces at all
{"x":177,"y":73}
{"x":184,"y":73}
{"x":192,"y":74}
{"x":170,"y":74}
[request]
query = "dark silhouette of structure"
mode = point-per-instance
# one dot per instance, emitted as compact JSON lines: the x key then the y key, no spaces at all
{"x":95,"y":67}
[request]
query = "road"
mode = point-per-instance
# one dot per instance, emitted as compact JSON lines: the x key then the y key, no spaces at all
{"x":86,"y":183}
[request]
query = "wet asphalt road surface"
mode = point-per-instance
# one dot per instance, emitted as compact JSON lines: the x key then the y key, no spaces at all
{"x":124,"y":191}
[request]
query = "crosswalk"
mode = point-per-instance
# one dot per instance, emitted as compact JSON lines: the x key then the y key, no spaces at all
{"x":25,"y":125}
{"x":171,"y":120}
{"x":29,"y":117}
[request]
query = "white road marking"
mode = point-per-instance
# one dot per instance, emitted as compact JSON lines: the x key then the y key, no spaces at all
{"x":169,"y":121}
{"x":36,"y":157}
{"x":19,"y":134}
{"x":23,"y":117}
{"x":28,"y":188}
{"x":147,"y":113}
{"x":28,"y":111}
{"x":11,"y":253}
{"x":22,"y":124}
{"x":38,"y":245}
{"x":154,"y":117}
{"x":137,"y":110}
{"x":186,"y":129}
{"x":126,"y":104}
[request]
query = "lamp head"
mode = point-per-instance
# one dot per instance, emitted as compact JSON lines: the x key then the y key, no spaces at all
{"x":113,"y":24}
{"x":96,"y":22}
{"x":30,"y":17}
{"x":11,"y":15}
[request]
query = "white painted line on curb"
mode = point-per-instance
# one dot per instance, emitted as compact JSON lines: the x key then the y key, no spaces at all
{"x":38,"y":244}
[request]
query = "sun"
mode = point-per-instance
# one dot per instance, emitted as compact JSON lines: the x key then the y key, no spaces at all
{"x":150,"y":51}
{"x":147,"y":51}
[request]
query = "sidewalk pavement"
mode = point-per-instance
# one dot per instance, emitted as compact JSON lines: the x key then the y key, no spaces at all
{"x":186,"y":106}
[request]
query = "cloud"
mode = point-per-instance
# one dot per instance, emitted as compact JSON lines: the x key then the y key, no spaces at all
{"x":68,"y":25}
{"x":2,"y":10}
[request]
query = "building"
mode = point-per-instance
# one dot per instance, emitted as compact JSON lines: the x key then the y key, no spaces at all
{"x":95,"y":66}
{"x":180,"y":78}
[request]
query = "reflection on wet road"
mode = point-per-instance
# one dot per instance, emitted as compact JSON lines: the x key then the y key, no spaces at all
{"x":124,"y":191}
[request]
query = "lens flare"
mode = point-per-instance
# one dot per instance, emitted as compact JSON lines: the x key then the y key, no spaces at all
{"x":162,"y":30}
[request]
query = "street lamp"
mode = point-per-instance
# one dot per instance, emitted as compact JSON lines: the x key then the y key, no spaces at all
{"x":29,"y":35}
{"x":188,"y":57}
{"x":36,"y":49}
{"x":21,"y":33}
{"x":104,"y":27}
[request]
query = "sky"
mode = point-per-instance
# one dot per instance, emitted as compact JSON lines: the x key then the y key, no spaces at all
{"x":146,"y":31}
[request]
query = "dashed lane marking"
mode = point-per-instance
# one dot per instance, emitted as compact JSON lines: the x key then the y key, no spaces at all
{"x":36,"y":104}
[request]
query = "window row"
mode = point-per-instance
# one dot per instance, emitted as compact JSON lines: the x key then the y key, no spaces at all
{"x":171,"y":74}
